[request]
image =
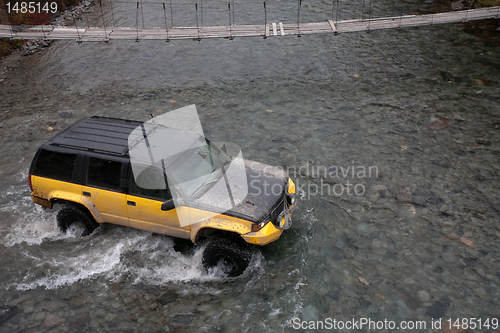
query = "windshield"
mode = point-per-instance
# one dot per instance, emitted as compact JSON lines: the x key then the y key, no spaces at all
{"x":198,"y":168}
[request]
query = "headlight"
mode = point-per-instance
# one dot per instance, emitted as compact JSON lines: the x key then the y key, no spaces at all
{"x":258,"y":226}
{"x":290,"y":199}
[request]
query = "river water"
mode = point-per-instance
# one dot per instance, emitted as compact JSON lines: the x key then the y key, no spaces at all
{"x":391,"y":136}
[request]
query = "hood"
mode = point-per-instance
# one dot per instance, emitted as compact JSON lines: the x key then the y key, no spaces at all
{"x":266,"y":190}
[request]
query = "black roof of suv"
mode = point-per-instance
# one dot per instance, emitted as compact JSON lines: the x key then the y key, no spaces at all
{"x":97,"y":134}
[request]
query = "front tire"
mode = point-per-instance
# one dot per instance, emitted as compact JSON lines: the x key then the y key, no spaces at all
{"x":77,"y":220}
{"x":230,"y":255}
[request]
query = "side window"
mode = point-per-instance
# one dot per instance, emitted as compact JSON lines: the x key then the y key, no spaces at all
{"x":54,"y":165}
{"x":151,"y":177}
{"x":104,"y":173}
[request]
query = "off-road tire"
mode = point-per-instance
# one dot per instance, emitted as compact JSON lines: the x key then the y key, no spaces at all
{"x":235,"y":254}
{"x":70,"y":214}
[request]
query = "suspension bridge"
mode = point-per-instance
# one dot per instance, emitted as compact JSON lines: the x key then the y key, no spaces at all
{"x":230,"y":31}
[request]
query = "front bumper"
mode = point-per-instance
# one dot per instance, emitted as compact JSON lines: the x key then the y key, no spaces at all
{"x":271,"y":232}
{"x":264,"y":236}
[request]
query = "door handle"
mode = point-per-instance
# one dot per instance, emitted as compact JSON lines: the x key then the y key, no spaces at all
{"x":131,"y":203}
{"x":86,"y":194}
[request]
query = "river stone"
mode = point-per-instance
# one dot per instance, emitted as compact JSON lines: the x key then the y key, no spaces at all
{"x":52,"y":320}
{"x":379,"y":188}
{"x":375,"y":196}
{"x":438,"y":309}
{"x":447,"y":76}
{"x":404,"y":196}
{"x":80,"y":320}
{"x":7,"y":312}
{"x":409,"y":280}
{"x":181,"y":319}
{"x":77,"y":302}
{"x":423,"y":295}
{"x":128,"y":300}
{"x":168,"y":297}
{"x":110,"y":317}
{"x":148,"y":97}
{"x":363,"y":229}
{"x":310,"y":313}
{"x":18,"y":300}
{"x":449,"y":257}
{"x":40,"y":316}
{"x":339,"y":243}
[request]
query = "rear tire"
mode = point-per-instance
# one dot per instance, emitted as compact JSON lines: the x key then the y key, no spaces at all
{"x":231,"y":255}
{"x":74,"y":218}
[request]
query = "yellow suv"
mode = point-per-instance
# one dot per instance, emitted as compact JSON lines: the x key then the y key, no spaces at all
{"x":87,"y":168}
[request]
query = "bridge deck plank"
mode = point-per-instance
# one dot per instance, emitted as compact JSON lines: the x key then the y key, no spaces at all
{"x":131,"y":33}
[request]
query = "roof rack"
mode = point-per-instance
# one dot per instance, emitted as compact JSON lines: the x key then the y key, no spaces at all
{"x":105,"y":135}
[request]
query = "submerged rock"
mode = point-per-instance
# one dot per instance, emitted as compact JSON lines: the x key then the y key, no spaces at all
{"x":7,"y":312}
{"x":447,"y":76}
{"x":438,"y":309}
{"x":423,"y":296}
{"x":52,"y":320}
{"x":80,"y":320}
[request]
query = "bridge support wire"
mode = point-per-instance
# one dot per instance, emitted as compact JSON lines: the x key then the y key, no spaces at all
{"x":137,"y":23}
{"x":263,"y":30}
{"x":103,"y":23}
{"x":166,"y":25}
{"x":298,"y":19}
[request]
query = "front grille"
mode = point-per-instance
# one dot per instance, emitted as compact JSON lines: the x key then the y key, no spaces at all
{"x":277,"y":209}
{"x":275,"y":213}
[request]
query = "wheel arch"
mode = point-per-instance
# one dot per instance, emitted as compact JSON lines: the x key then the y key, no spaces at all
{"x":224,"y":224}
{"x":206,"y":232}
{"x":77,"y":205}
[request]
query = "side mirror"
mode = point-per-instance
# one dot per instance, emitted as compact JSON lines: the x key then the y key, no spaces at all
{"x":168,"y":205}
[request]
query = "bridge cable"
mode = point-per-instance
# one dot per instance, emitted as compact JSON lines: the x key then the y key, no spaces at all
{"x":87,"y":15}
{"x":369,"y":15}
{"x":8,"y":20}
{"x":400,"y":14}
{"x":265,"y":20}
{"x":337,"y":13}
{"x":103,"y":23}
{"x":112,"y":14}
{"x":137,"y":22}
{"x":171,"y":13}
{"x":142,"y":13}
{"x":298,"y":19}
{"x":230,"y":25}
{"x":166,"y":25}
{"x":79,"y":41}
{"x":197,"y":26}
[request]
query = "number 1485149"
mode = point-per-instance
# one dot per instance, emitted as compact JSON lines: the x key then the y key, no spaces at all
{"x":474,"y":323}
{"x":31,"y":7}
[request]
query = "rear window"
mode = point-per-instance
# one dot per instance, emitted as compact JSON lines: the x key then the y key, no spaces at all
{"x":54,"y":165}
{"x":104,"y":173}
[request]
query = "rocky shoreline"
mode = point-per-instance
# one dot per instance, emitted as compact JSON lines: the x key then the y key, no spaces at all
{"x":63,"y":19}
